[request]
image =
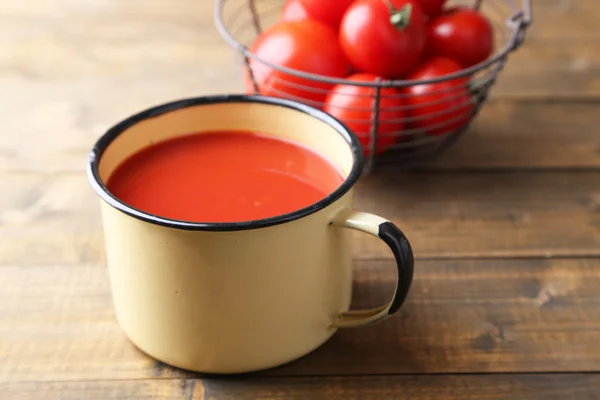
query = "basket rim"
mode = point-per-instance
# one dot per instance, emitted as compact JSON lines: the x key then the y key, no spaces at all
{"x":517,"y":24}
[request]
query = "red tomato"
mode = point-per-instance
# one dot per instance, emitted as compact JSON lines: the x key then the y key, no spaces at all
{"x":384,"y":37}
{"x":438,"y":108}
{"x":432,"y":7}
{"x":329,"y":12}
{"x":353,"y":105}
{"x":308,"y":46}
{"x":461,"y":34}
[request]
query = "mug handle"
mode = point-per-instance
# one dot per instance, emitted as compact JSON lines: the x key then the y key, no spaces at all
{"x":398,"y":243}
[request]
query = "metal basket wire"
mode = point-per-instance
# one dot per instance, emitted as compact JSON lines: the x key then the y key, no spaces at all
{"x":240,"y":21}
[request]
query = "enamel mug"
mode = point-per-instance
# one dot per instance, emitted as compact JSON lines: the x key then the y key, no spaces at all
{"x":238,"y":297}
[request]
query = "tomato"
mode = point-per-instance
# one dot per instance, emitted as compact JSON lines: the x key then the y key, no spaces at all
{"x":384,"y":37}
{"x":353,"y":105}
{"x":308,"y":46}
{"x":461,"y":34}
{"x":432,"y":7}
{"x":329,"y":12}
{"x":438,"y":108}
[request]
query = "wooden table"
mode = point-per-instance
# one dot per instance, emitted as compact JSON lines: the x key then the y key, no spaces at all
{"x":505,"y":225}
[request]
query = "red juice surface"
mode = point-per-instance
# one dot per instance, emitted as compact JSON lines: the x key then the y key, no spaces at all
{"x":223,"y":177}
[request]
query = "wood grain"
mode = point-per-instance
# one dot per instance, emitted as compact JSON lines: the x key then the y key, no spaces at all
{"x":91,"y":64}
{"x":119,"y":51}
{"x":447,"y":387}
{"x":172,"y":389}
{"x":505,"y":134}
{"x":481,"y":387}
{"x":548,"y":69}
{"x":519,"y":135}
{"x":563,"y":20}
{"x":555,"y":19}
{"x":54,"y":219}
{"x":57,"y":323}
{"x":470,"y":316}
{"x":495,"y":214}
{"x":527,"y":188}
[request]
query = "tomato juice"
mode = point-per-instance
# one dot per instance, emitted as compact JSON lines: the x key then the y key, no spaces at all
{"x":228,"y":176}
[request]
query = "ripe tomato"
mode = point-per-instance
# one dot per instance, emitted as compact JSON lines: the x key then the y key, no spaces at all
{"x":432,"y":7}
{"x":353,"y":105}
{"x":308,"y":46}
{"x":461,"y":34}
{"x":329,"y":12}
{"x":384,"y":37}
{"x":438,"y":108}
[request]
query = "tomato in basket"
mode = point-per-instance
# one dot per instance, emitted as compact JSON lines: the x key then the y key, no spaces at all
{"x":442,"y":107}
{"x":462,"y":34}
{"x":432,"y":7}
{"x":354,"y":106}
{"x":384,"y":37}
{"x":308,"y":46}
{"x":329,"y":12}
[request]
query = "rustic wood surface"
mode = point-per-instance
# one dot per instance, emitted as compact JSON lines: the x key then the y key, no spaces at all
{"x":505,"y":224}
{"x":415,"y":387}
{"x":463,"y":316}
{"x":54,"y":218}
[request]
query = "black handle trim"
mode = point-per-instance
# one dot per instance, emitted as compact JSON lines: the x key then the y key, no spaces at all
{"x":405,"y":261}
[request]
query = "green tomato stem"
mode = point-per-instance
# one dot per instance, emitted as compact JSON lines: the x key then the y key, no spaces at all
{"x":399,"y":18}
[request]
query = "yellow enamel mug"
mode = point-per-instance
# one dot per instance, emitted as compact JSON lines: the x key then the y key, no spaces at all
{"x":238,"y":297}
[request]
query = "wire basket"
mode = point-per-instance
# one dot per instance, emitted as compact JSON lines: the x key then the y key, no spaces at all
{"x":241,"y":21}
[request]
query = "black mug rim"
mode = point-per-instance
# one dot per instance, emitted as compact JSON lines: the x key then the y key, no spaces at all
{"x":105,"y":140}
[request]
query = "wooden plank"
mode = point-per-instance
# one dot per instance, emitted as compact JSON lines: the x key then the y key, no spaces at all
{"x":505,"y":134}
{"x":565,"y":19}
{"x":121,"y":43}
{"x":129,"y":45}
{"x":134,"y":57}
{"x":415,"y":387}
{"x":518,"y":135}
{"x":57,"y":323}
{"x":471,"y":316}
{"x":127,"y":76}
{"x":172,"y":389}
{"x":54,"y":219}
{"x":455,"y":387}
{"x":495,"y":214}
{"x":556,"y":19}
{"x":54,"y":130}
{"x":49,"y":220}
{"x":542,"y":69}
{"x":117,"y":34}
